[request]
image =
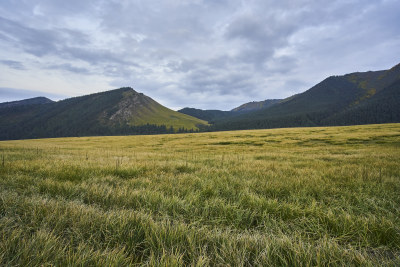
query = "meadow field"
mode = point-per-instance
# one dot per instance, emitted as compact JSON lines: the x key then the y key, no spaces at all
{"x":326,"y":196}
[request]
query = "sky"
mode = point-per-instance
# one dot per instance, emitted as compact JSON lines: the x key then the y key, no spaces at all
{"x":208,"y":54}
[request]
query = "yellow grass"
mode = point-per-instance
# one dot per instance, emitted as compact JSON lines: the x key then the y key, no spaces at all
{"x":299,"y":196}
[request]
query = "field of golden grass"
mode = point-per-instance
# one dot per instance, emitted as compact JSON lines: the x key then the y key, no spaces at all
{"x":298,"y":196}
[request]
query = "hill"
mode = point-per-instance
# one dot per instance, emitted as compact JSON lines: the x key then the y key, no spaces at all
{"x":213,"y":115}
{"x":382,"y":107}
{"x":337,"y":100}
{"x":256,"y":105}
{"x":207,"y":115}
{"x":25,"y":102}
{"x":120,"y":111}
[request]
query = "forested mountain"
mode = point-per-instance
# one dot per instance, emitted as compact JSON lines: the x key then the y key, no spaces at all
{"x":120,"y":111}
{"x":213,"y":115}
{"x":256,"y":105}
{"x":356,"y":98}
{"x":207,"y":115}
{"x":25,"y":102}
{"x":382,"y":107}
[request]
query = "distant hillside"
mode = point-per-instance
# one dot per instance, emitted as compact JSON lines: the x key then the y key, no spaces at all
{"x":213,"y":116}
{"x":337,"y":100}
{"x":382,"y":107}
{"x":256,"y":105}
{"x":29,"y":101}
{"x":207,"y":115}
{"x":120,"y":111}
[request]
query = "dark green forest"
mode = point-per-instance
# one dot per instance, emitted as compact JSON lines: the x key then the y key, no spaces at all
{"x":80,"y":116}
{"x":352,"y":99}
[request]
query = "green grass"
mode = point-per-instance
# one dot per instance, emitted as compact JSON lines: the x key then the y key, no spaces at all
{"x":298,"y":197}
{"x":160,"y":115}
{"x":151,"y":112}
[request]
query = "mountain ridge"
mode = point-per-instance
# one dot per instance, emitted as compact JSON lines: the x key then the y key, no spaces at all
{"x":212,"y":115}
{"x":28,"y":101}
{"x":354,"y":98}
{"x":105,"y":113}
{"x":319,"y":105}
{"x":256,"y":105}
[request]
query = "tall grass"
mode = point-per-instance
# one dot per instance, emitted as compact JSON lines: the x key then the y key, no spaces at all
{"x":300,"y":197}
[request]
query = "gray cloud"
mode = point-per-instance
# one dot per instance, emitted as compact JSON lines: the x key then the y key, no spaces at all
{"x":32,"y":41}
{"x":13,"y":94}
{"x":13,"y":64}
{"x":209,"y":54}
{"x":70,"y":68}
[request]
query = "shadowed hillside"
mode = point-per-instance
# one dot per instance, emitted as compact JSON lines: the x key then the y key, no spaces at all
{"x":120,"y":111}
{"x":25,"y":102}
{"x":357,"y":98}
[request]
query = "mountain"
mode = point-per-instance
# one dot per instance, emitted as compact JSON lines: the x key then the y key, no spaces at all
{"x":213,"y":115}
{"x":207,"y":115}
{"x":139,"y":109}
{"x":382,"y":107}
{"x":29,"y":101}
{"x":115,"y":112}
{"x":355,"y":98}
{"x":337,"y":100}
{"x":256,"y":105}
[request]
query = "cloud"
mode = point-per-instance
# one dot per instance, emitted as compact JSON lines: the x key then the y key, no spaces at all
{"x":70,"y":68}
{"x":209,"y":54}
{"x":41,"y":42}
{"x":32,"y":41}
{"x":13,"y":64}
{"x":13,"y":94}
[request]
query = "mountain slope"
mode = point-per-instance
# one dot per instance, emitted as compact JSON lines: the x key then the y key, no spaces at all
{"x":120,"y":111}
{"x":29,"y":101}
{"x":212,"y":115}
{"x":382,"y":107}
{"x":256,"y":105}
{"x":138,"y":109}
{"x":207,"y":115}
{"x":372,"y":82}
{"x":327,"y":103}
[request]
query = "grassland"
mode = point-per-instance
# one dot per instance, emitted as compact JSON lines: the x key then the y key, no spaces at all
{"x":299,"y":197}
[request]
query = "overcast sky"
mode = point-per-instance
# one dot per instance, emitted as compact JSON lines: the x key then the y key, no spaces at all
{"x":210,"y":54}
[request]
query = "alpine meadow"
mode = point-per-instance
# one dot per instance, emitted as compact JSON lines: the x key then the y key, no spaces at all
{"x":197,"y":133}
{"x":320,"y":196}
